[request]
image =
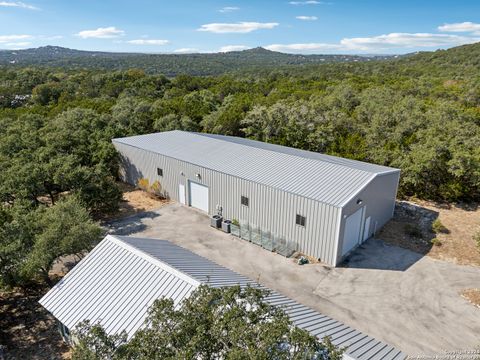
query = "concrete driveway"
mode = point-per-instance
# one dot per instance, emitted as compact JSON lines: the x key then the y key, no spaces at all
{"x":395,"y":295}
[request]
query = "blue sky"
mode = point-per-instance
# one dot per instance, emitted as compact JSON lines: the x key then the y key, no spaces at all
{"x":301,"y":26}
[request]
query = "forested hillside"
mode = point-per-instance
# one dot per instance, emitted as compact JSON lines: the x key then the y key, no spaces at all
{"x":420,"y":114}
{"x":168,"y":64}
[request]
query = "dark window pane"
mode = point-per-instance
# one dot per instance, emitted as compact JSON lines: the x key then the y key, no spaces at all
{"x":159,"y":172}
{"x":300,"y":220}
{"x":244,"y":200}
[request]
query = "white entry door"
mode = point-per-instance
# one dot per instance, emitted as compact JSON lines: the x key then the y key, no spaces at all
{"x":181,"y":194}
{"x":351,"y":234}
{"x":366,"y":229}
{"x":198,"y":196}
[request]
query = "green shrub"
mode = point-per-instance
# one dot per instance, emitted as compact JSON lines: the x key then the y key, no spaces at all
{"x":476,"y":238}
{"x":436,"y":242}
{"x":413,"y":230}
{"x":438,"y":227}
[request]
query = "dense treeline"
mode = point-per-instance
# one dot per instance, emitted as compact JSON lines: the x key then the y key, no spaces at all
{"x":56,"y":125}
{"x":168,"y":64}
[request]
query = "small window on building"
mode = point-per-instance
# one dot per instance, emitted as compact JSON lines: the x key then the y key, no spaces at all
{"x":159,"y":172}
{"x":245,"y":200}
{"x":300,"y":220}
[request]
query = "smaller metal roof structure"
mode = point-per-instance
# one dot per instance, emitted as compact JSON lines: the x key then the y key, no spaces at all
{"x":328,"y":179}
{"x":119,"y":279}
{"x":114,"y":285}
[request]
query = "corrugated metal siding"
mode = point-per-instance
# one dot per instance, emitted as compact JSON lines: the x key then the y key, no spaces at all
{"x":270,"y":209}
{"x":326,"y":179}
{"x":114,"y":286}
{"x":359,"y":346}
{"x":378,"y":201}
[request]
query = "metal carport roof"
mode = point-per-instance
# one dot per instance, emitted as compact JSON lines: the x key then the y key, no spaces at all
{"x":122,"y":276}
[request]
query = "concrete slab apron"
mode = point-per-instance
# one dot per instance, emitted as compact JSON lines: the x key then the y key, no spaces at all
{"x":417,"y":309}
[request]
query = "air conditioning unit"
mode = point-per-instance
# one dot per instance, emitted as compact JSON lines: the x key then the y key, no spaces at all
{"x":216,"y":221}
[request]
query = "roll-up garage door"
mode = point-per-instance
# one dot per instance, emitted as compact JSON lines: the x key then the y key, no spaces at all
{"x":351,"y":234}
{"x":198,"y":196}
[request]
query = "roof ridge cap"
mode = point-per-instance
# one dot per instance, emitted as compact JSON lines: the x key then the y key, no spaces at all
{"x":154,"y":260}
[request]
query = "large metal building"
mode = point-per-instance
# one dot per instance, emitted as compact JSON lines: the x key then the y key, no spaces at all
{"x":320,"y":205}
{"x":118,"y":281}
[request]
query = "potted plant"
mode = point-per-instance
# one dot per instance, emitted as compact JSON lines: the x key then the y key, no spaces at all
{"x":235,"y":227}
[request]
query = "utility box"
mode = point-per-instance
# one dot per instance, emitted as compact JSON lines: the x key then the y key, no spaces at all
{"x":216,"y":221}
{"x":226,"y":226}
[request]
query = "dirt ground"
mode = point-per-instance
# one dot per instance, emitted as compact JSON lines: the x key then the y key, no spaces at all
{"x":27,"y":330}
{"x":472,"y":295}
{"x":456,"y":245}
{"x":135,"y":201}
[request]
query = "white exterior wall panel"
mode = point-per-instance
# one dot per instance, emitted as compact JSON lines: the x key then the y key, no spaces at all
{"x":269,"y":208}
{"x":378,"y":200}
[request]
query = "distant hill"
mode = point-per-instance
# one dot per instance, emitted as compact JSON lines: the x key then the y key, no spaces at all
{"x":465,"y":55}
{"x":169,"y":64}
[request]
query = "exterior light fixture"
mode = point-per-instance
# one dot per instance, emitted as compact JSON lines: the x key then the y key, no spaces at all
{"x":198,"y":176}
{"x":359,"y":202}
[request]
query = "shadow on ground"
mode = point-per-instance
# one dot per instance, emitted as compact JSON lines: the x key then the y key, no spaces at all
{"x":378,"y":255}
{"x":27,"y":330}
{"x":405,"y":239}
{"x":131,"y":224}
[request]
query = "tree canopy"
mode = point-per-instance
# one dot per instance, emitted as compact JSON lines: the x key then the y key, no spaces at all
{"x":213,"y":323}
{"x":419,"y":113}
{"x":31,"y":240}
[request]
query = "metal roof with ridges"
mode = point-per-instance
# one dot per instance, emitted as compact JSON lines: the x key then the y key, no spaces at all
{"x":359,"y":346}
{"x":114,"y":285}
{"x":324,"y":178}
{"x":121,"y":277}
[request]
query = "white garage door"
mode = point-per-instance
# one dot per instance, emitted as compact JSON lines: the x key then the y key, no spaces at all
{"x":351,"y":235}
{"x":198,"y":196}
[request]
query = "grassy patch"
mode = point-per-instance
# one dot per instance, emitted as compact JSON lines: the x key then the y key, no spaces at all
{"x":476,"y":238}
{"x":438,"y":227}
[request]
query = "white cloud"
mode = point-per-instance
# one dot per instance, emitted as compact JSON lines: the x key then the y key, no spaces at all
{"x":17,"y":45}
{"x":11,"y":38}
{"x":306,"y":18}
{"x":186,"y":50}
{"x":227,"y":9}
{"x":467,"y":27}
{"x":306,"y":47}
{"x":379,"y":43}
{"x":101,"y":33}
{"x":148,"y":42}
{"x":240,"y":27}
{"x":52,"y":37}
{"x":310,"y":2}
{"x":404,"y":40}
{"x":18,"y":4}
{"x":229,"y":48}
